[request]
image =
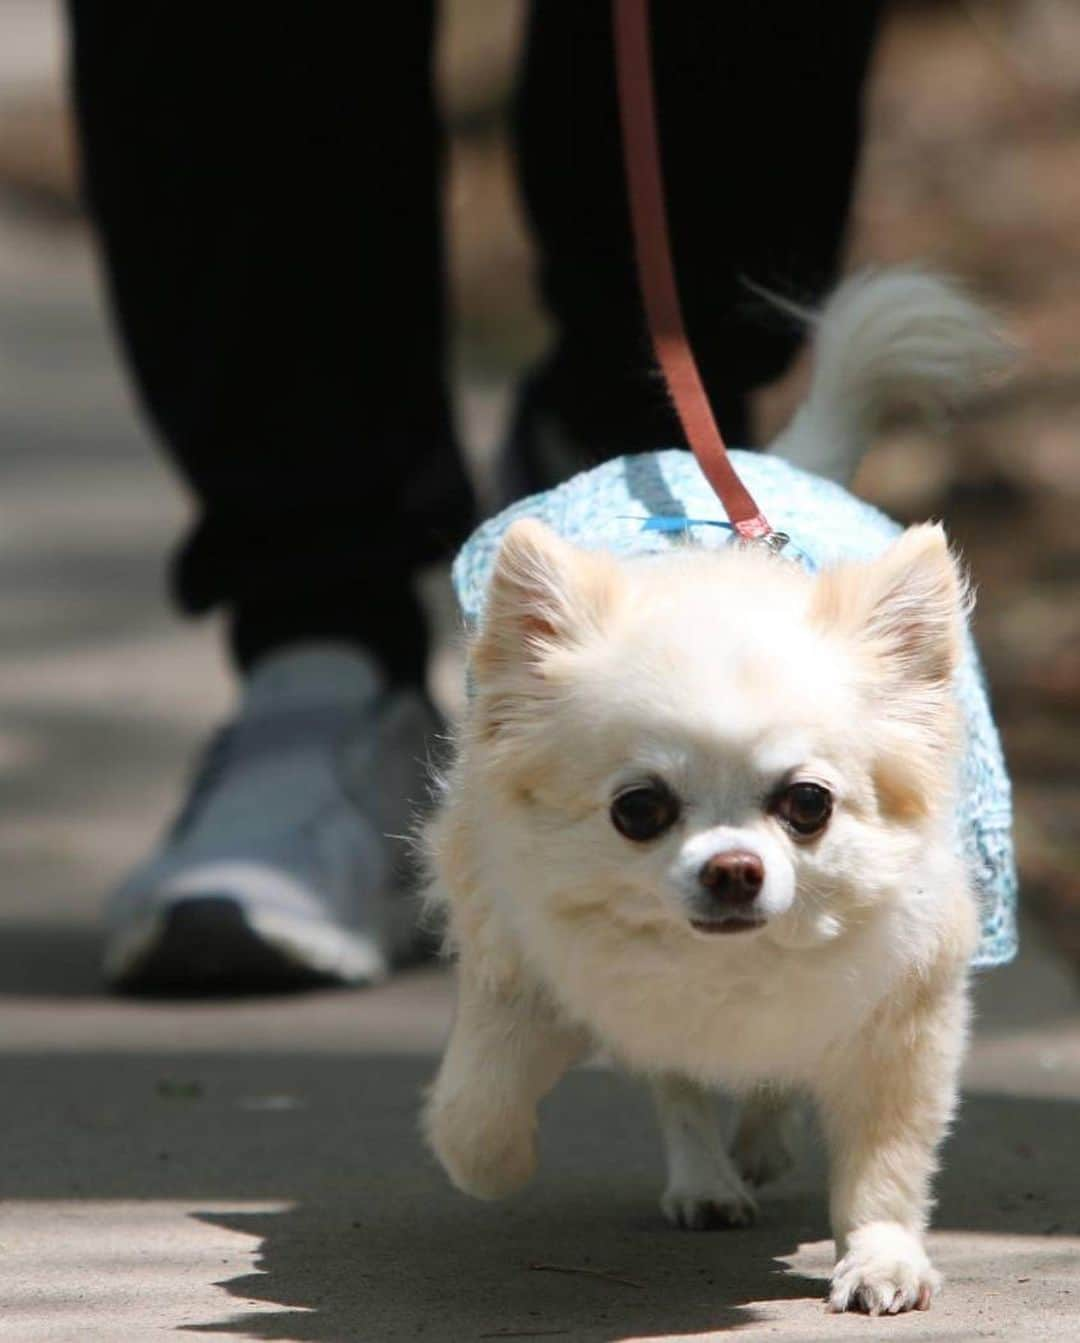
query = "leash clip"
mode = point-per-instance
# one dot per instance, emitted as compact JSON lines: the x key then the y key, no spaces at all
{"x":775,"y":541}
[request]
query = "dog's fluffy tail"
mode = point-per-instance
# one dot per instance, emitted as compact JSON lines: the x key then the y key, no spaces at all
{"x":887,"y":342}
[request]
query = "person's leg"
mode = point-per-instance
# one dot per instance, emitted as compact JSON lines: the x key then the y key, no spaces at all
{"x":266,"y":189}
{"x":759,"y":113}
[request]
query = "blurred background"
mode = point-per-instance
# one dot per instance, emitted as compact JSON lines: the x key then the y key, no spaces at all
{"x":971,"y":163}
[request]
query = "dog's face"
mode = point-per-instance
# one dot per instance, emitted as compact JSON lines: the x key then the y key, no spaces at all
{"x":715,"y":740}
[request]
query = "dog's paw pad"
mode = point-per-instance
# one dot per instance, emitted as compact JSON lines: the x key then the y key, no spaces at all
{"x":697,"y":1211}
{"x":884,"y":1272}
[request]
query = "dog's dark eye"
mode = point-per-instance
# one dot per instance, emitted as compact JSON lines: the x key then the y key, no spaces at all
{"x":804,"y":808}
{"x":644,"y":811}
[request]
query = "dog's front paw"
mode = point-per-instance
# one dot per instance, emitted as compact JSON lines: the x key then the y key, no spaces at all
{"x":884,"y":1272}
{"x":708,"y":1209}
{"x":482,"y":1157}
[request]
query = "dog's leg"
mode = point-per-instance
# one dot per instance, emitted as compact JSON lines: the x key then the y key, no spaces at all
{"x":703,"y":1187}
{"x":886,"y":1100}
{"x":507,"y":1049}
{"x":766,"y":1138}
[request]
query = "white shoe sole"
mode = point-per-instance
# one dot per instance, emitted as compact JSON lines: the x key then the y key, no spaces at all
{"x":211,"y":941}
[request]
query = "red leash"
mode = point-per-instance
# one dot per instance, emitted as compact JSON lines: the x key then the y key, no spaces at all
{"x":656,"y":273}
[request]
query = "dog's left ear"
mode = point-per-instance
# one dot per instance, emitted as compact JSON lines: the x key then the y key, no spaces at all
{"x":906,"y":609}
{"x":903,"y":616}
{"x":546,"y":596}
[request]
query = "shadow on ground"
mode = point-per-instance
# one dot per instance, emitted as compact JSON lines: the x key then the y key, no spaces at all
{"x":618,"y":1270}
{"x":50,"y":960}
{"x":370,"y":1242}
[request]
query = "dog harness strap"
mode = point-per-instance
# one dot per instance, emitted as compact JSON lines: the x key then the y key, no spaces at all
{"x":656,"y":272}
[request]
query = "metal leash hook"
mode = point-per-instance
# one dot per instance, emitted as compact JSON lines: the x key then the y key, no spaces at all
{"x":656,"y":274}
{"x":774,"y":541}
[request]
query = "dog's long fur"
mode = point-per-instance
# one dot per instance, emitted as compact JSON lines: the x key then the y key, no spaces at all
{"x":728,"y":674}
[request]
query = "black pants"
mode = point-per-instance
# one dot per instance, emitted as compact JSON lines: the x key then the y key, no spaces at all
{"x":266,"y":183}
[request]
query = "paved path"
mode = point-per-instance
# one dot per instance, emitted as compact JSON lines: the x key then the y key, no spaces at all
{"x":251,"y":1170}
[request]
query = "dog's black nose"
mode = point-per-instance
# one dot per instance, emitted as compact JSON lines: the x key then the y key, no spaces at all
{"x":735,"y":878}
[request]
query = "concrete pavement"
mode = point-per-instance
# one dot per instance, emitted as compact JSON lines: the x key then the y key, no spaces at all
{"x":251,"y":1170}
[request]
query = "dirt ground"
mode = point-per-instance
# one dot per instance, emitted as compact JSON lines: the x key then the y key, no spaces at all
{"x":973,"y":159}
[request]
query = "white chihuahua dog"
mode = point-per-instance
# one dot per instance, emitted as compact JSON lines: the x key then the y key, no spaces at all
{"x":702,"y":818}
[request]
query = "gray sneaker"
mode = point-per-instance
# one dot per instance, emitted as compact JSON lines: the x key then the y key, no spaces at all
{"x":288,"y":864}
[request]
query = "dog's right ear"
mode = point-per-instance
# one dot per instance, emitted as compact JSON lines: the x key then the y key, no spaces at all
{"x":546,"y":597}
